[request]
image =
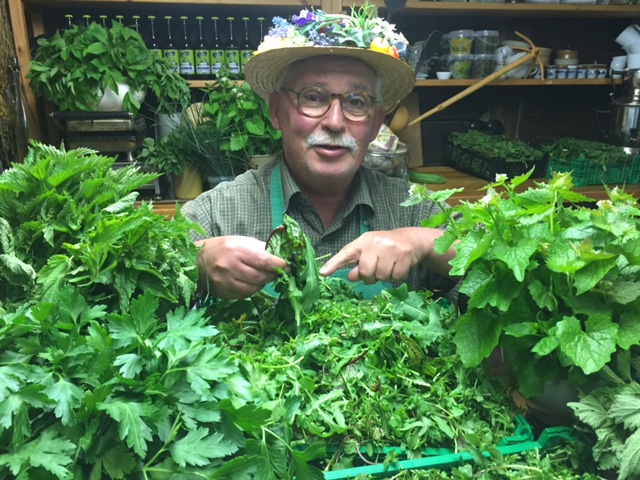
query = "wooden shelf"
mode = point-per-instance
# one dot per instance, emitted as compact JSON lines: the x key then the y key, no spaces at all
{"x":129,"y":3}
{"x":528,"y":82}
{"x":472,"y":185}
{"x":558,"y":10}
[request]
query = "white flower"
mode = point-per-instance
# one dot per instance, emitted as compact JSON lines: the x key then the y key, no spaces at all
{"x":490,"y":195}
{"x":501,"y":177}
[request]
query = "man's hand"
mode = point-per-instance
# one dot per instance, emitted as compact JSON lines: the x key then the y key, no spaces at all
{"x":234,"y":267}
{"x":389,"y":255}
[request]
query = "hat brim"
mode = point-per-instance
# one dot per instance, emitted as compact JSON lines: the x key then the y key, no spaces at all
{"x":264,"y":70}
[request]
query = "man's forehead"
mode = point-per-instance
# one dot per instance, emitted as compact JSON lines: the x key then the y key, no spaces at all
{"x":321,"y":70}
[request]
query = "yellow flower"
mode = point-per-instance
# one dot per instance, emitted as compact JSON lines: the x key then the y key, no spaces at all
{"x":379,"y":45}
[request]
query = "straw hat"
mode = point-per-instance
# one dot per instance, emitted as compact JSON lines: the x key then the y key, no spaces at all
{"x":315,"y":33}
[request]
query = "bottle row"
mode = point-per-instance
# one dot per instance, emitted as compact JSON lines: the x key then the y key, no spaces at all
{"x":197,"y":48}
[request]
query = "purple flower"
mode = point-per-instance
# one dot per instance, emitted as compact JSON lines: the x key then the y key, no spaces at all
{"x":301,"y":21}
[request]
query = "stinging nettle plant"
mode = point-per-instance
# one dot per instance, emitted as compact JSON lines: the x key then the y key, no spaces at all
{"x":73,"y":68}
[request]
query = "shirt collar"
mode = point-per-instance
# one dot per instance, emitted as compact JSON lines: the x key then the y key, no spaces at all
{"x":360,"y":194}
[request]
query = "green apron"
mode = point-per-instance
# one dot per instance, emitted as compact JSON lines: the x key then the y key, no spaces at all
{"x":277,"y":218}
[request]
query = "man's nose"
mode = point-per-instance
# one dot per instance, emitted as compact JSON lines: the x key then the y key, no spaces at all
{"x":334,"y":119}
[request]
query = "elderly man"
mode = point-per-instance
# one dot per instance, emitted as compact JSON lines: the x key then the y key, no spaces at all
{"x":329,"y":102}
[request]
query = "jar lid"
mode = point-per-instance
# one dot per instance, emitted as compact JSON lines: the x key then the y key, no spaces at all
{"x":486,"y":33}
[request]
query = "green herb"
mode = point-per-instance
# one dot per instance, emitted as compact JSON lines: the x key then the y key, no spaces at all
{"x":611,"y":413}
{"x":241,"y":119}
{"x":71,"y":217}
{"x":74,"y":67}
{"x":495,"y":147}
{"x":554,"y":283}
{"x":570,"y":149}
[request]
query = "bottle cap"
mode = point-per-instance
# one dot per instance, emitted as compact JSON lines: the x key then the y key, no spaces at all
{"x":215,"y":18}
{"x":168,"y":17}
{"x":199,"y":17}
{"x":230,"y":18}
{"x":184,"y":18}
{"x":151,"y":17}
{"x":245,"y":18}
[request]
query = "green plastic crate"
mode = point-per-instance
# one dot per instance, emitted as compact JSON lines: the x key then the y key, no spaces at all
{"x":585,"y":172}
{"x":442,"y":458}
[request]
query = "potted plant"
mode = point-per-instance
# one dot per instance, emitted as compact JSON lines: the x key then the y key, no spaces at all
{"x":74,"y":69}
{"x":241,"y":118}
{"x":552,"y":279}
{"x":191,"y":151}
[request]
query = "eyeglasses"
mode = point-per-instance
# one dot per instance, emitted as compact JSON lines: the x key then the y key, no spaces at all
{"x":315,"y":101}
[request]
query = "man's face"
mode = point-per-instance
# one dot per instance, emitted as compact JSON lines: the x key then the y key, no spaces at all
{"x":323,"y":153}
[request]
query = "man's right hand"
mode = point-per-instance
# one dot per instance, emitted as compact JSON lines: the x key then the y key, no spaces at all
{"x":235,"y":267}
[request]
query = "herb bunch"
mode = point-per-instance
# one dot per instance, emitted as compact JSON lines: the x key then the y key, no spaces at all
{"x":552,"y":282}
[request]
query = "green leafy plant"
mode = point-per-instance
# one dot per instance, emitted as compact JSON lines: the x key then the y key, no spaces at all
{"x":241,"y":119}
{"x":554,"y":283}
{"x":196,"y":143}
{"x":495,"y":146}
{"x":610,"y":412}
{"x":569,"y":149}
{"x":74,"y":67}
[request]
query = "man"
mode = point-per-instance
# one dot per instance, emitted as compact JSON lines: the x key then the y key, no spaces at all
{"x":329,"y":104}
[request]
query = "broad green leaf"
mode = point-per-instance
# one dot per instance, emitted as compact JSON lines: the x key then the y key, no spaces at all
{"x":625,"y":408}
{"x":624,"y":292}
{"x":588,"y":277}
{"x":591,"y":348}
{"x":131,"y":425}
{"x":516,"y":257}
{"x":184,"y":328}
{"x":212,"y":364}
{"x":300,"y":459}
{"x":629,"y":331}
{"x":118,"y":462}
{"x":630,"y":457}
{"x":546,"y":346}
{"x":542,"y":295}
{"x":476,"y":337}
{"x":198,"y":448}
{"x":273,"y":460}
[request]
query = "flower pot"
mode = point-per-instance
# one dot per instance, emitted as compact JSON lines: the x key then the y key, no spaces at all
{"x":258,"y":161}
{"x":113,"y":101}
{"x":189,"y":184}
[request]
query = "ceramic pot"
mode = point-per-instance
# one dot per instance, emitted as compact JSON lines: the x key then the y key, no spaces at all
{"x":258,"y":161}
{"x":189,"y":184}
{"x":113,"y":101}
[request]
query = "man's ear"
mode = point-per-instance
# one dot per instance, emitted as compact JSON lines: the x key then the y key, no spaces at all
{"x":274,"y":108}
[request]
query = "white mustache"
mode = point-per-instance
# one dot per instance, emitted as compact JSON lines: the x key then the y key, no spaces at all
{"x":335,"y":140}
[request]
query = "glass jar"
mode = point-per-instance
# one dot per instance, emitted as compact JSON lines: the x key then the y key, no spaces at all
{"x":485,"y":41}
{"x":460,"y":66}
{"x":460,"y":42}
{"x":483,"y":65}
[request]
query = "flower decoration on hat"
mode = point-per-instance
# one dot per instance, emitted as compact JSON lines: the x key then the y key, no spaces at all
{"x":315,"y":28}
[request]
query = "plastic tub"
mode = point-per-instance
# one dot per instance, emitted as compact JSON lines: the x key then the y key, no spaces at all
{"x":460,"y":66}
{"x":461,"y":42}
{"x":483,"y":65}
{"x":485,"y":42}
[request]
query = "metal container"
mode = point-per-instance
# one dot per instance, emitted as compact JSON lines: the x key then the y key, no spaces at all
{"x":624,"y":122}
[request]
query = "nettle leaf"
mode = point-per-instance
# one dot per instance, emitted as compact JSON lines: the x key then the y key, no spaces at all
{"x":624,"y":292}
{"x":198,"y":447}
{"x":542,"y":295}
{"x":130,"y":417}
{"x":48,"y":451}
{"x":212,"y":364}
{"x":470,"y":248}
{"x":563,"y":258}
{"x":591,"y":348}
{"x":588,"y":277}
{"x":630,"y":457}
{"x":625,"y":408}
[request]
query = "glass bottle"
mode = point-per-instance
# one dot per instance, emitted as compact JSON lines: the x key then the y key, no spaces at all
{"x":153,"y":44}
{"x":202,"y":55}
{"x":246,"y":49}
{"x":136,"y":23}
{"x":261,"y":23}
{"x":216,"y":51}
{"x":69,"y":21}
{"x":170,"y":50}
{"x":232,"y":52}
{"x":187,"y":60}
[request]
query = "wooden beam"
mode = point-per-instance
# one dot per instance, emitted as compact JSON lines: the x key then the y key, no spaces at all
{"x":21,"y":42}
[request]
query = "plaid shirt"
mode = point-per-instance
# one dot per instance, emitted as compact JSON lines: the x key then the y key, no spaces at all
{"x":243,"y":207}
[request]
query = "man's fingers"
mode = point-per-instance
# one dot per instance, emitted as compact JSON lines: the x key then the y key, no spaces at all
{"x":343,"y":257}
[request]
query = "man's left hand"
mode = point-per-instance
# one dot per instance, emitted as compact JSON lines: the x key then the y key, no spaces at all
{"x":389,"y":255}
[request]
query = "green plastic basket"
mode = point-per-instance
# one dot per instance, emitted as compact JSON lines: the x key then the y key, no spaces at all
{"x":442,"y":458}
{"x":585,"y":172}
